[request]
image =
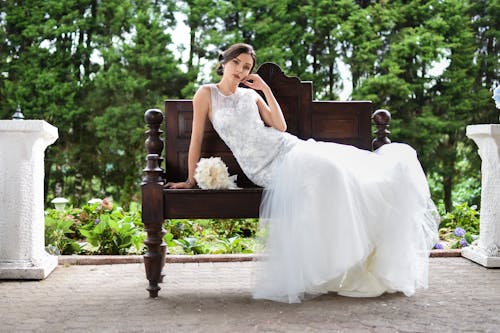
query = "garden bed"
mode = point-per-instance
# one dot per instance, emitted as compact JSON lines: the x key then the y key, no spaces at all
{"x":99,"y":229}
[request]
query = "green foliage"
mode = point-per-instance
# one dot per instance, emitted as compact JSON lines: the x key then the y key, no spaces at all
{"x":467,"y":188}
{"x":468,"y":191}
{"x":234,"y":245}
{"x":58,"y":234}
{"x":100,"y":228}
{"x":191,"y":245}
{"x":94,"y":229}
{"x":92,"y":68}
{"x":430,"y":109}
{"x":462,"y":216}
{"x":113,"y":233}
{"x":460,"y":227}
{"x":214,"y":236}
{"x":234,"y":227}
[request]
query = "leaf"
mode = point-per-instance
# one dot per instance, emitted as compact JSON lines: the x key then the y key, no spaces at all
{"x":102,"y":226}
{"x":113,"y":224}
{"x":85,"y":233}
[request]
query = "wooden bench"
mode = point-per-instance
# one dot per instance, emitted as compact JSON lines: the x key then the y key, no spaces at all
{"x":342,"y":122}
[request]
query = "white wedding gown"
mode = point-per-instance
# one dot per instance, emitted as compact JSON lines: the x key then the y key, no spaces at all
{"x":336,"y":218}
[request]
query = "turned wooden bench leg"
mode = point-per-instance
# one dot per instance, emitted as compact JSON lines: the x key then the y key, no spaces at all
{"x":154,"y":259}
{"x":152,"y":203}
{"x":152,"y":217}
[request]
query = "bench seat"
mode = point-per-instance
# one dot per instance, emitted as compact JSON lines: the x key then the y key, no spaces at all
{"x":225,"y":204}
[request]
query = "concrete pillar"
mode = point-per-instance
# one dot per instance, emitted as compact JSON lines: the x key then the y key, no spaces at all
{"x":487,"y":250}
{"x":22,"y":225}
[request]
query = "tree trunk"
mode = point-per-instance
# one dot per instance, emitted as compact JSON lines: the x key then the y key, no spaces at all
{"x":447,"y":186}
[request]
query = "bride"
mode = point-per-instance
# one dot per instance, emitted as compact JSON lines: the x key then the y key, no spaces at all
{"x":330,"y":226}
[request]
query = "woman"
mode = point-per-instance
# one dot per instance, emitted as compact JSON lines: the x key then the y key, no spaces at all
{"x":330,"y":225}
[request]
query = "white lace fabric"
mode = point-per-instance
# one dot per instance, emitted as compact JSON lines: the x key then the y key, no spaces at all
{"x":257,"y":148}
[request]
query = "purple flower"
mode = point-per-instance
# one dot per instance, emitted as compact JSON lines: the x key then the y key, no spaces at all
{"x":438,"y":246}
{"x":463,"y":242}
{"x":97,"y":221}
{"x":459,"y":232}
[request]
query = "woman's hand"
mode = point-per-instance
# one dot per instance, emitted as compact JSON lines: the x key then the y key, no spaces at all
{"x":271,"y":111}
{"x":255,"y":82}
{"x":187,"y":184}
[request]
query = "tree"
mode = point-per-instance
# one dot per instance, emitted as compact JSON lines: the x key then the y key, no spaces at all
{"x":83,"y":66}
{"x":139,"y":72}
{"x":429,"y":111}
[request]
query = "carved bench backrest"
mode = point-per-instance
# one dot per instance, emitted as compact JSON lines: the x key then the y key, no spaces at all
{"x":343,"y":122}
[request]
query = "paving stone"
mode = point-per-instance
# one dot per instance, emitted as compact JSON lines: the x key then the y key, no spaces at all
{"x":216,"y":297}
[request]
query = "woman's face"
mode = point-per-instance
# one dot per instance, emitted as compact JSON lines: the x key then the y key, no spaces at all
{"x":237,"y":69}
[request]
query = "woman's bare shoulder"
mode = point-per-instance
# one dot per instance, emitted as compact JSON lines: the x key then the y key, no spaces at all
{"x":202,"y":98}
{"x":203,"y":90}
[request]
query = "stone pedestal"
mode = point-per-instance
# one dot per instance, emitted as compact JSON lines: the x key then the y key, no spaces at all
{"x":487,"y":250}
{"x":22,"y":225}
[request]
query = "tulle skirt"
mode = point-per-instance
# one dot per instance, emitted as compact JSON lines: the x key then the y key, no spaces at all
{"x":340,"y":219}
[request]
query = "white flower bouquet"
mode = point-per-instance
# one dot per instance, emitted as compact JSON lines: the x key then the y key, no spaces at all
{"x":212,"y":174}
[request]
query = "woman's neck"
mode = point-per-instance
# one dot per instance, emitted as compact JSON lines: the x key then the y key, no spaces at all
{"x":227,"y":88}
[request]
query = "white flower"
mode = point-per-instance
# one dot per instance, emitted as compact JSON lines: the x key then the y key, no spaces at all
{"x":211,"y":173}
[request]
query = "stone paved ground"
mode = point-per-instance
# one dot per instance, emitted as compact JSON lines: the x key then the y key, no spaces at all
{"x":215,"y":297}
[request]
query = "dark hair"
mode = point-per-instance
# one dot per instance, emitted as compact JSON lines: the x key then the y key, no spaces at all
{"x":232,"y":52}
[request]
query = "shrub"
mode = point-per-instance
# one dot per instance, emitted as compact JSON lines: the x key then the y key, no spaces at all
{"x":58,"y":234}
{"x":100,"y":228}
{"x":95,"y":229}
{"x":462,"y":216}
{"x":215,"y":236}
{"x":460,"y":227}
{"x":113,"y":233}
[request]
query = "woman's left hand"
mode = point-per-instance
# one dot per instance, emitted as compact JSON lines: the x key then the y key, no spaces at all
{"x":255,"y":82}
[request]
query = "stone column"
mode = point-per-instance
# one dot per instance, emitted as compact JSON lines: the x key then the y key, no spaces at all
{"x":22,"y":224}
{"x":487,"y":250}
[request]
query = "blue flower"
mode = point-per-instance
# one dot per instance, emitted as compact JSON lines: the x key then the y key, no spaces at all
{"x":438,"y":246}
{"x":459,"y":232}
{"x":463,"y":243}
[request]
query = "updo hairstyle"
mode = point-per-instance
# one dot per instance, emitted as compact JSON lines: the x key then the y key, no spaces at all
{"x":232,"y":52}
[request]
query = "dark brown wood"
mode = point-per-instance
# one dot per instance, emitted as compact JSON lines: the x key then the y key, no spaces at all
{"x":294,"y":97}
{"x":196,"y":203}
{"x":343,"y":122}
{"x":152,"y":202}
{"x":381,"y":118}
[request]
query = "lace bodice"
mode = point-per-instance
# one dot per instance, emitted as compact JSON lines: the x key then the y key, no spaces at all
{"x":257,"y":148}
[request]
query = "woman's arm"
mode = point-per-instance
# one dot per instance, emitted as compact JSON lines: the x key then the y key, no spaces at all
{"x":271,"y":113}
{"x":201,"y":107}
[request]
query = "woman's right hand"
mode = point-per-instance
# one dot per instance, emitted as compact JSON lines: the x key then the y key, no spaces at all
{"x":180,"y":185}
